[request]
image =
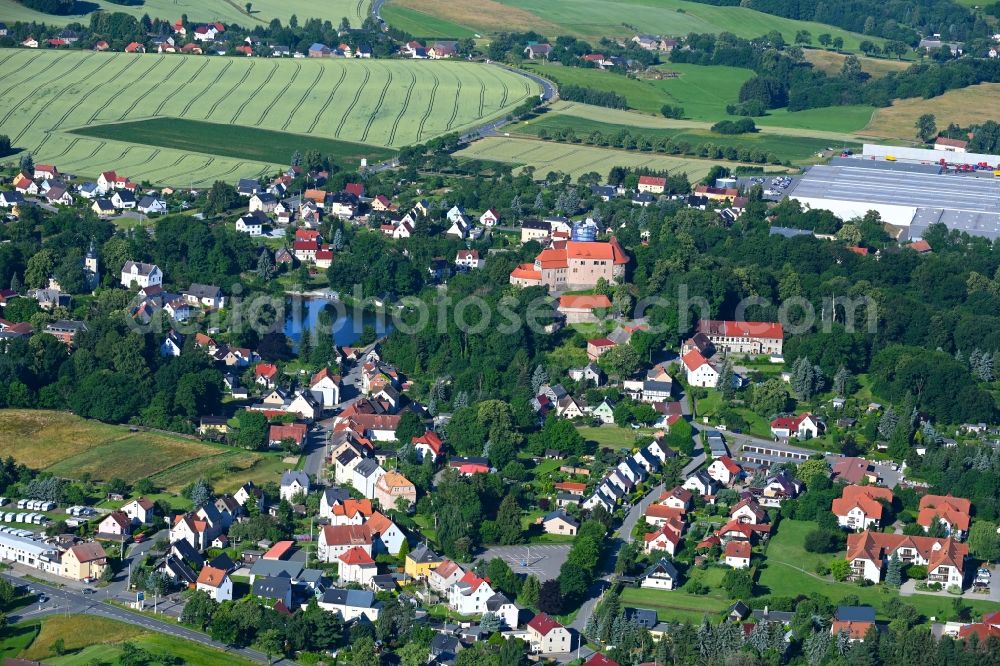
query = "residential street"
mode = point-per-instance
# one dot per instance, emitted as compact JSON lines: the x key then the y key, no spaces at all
{"x":68,"y":599}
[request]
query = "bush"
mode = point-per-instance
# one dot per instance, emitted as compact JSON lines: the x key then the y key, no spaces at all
{"x":822,"y":569}
{"x":823,"y":541}
{"x":916,"y":572}
{"x":741,"y":126}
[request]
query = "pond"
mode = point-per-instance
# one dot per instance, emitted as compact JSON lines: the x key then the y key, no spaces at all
{"x":303,"y":314}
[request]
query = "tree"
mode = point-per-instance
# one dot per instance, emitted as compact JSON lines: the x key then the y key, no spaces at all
{"x":265,"y":267}
{"x":984,"y":542}
{"x":413,"y":653}
{"x":726,"y":383}
{"x":199,"y":610}
{"x":838,"y":43}
{"x":621,"y":360}
{"x":248,"y":6}
{"x":811,"y":470}
{"x":201,"y":493}
{"x":738,"y":584}
{"x":894,"y":572}
{"x":823,"y":541}
{"x":840,"y":381}
{"x":926,"y":127}
{"x":824,"y":39}
{"x":840,"y":569}
{"x":221,"y":197}
{"x":529,"y":592}
{"x":363,"y":651}
{"x":27,"y":163}
{"x":508,"y":523}
{"x":338,"y":240}
{"x":550,"y":599}
{"x":410,"y":426}
{"x":769,"y":398}
{"x":539,"y":377}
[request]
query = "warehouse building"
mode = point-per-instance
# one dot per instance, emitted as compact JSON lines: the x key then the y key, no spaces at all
{"x":909,"y":196}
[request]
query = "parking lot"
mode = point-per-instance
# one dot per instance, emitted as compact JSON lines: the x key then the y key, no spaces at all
{"x":775,"y":187}
{"x":542,"y":561}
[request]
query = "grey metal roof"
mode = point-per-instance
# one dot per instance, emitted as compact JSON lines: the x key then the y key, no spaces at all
{"x":272,"y":588}
{"x":856,"y":614}
{"x":276,"y":568}
{"x":967,"y":203}
{"x":352,"y":598}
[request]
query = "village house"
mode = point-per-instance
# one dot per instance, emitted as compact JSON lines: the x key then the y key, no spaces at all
{"x":853,"y":622}
{"x":560,"y":522}
{"x":140,"y":510}
{"x":215,"y":583}
{"x":252,"y":223}
{"x":84,"y":562}
{"x":803,"y":426}
{"x":661,"y":575}
{"x":546,"y":636}
{"x":667,"y":538}
{"x":140,"y":274}
{"x":356,"y":565}
{"x":444,"y":575}
{"x":335,"y":540}
{"x":860,"y":507}
{"x":428,"y":444}
{"x":737,"y":554}
{"x":951,"y":512}
{"x":115,"y":524}
{"x":700,"y":372}
{"x":391,"y":488}
{"x":205,"y":295}
{"x":293,"y":483}
{"x":469,"y":594}
{"x":869,"y":552}
{"x":597,"y":347}
{"x":652,"y":184}
{"x":469,"y":259}
{"x":420,"y":561}
{"x":724,"y":470}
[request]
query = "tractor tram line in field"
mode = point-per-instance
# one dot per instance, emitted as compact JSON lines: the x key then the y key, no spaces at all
{"x":191,"y":80}
{"x":354,"y":102}
{"x":302,"y":101}
{"x":329,"y":100}
{"x":252,"y":96}
{"x":402,"y":109}
{"x":378,"y":105}
{"x":279,"y":96}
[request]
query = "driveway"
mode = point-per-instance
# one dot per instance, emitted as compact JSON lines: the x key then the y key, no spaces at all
{"x":541,"y":560}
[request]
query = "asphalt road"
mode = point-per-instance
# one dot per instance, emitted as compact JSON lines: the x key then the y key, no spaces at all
{"x":69,"y":600}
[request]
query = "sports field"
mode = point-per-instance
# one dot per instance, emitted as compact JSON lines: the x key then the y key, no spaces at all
{"x":69,"y":446}
{"x":577,"y":159}
{"x":593,"y":19}
{"x":200,"y":11}
{"x":48,"y":97}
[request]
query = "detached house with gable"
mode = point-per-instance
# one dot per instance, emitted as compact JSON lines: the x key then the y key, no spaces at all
{"x":469,"y":594}
{"x":860,"y":507}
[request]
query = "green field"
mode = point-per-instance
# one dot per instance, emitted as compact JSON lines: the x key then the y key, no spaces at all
{"x":226,"y":11}
{"x":578,"y":159}
{"x":423,"y":25}
{"x":47,"y":95}
{"x":594,"y":19}
{"x":703,"y":91}
{"x":245,"y":143}
{"x":88,"y":640}
{"x":69,"y":446}
{"x":794,"y":148}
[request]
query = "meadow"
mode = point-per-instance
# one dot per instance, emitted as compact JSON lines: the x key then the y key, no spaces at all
{"x":786,"y":147}
{"x":593,"y":19}
{"x":47,"y":95}
{"x":87,"y":639}
{"x":965,"y":106}
{"x":203,"y":11}
{"x":578,"y":159}
{"x":423,"y":25}
{"x":704,"y":91}
{"x":832,"y":62}
{"x":69,"y":446}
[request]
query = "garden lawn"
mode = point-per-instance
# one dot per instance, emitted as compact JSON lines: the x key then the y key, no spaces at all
{"x":611,"y":435}
{"x":681,"y":605}
{"x":789,"y":572}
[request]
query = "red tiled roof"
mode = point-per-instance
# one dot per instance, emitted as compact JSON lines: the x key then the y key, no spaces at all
{"x":652,"y":180}
{"x":293,"y":431}
{"x":279,"y":550}
{"x":951,"y":143}
{"x":543,"y":624}
{"x":864,"y":497}
{"x":357,"y":556}
{"x":954,"y":510}
{"x":601,"y":342}
{"x":526,"y":272}
{"x":584,"y":302}
{"x":694,"y":360}
{"x":211,"y":576}
{"x":737,"y":548}
{"x":431,"y":440}
{"x":347,"y":535}
{"x":855,"y":630}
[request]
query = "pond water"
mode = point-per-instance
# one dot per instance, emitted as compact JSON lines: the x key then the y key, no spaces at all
{"x":304,"y":315}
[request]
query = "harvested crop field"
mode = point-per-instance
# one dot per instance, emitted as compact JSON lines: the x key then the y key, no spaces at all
{"x":47,"y":96}
{"x":964,"y":107}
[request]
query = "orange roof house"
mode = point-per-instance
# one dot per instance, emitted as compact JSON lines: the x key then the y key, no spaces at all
{"x":859,"y":507}
{"x":952,"y":512}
